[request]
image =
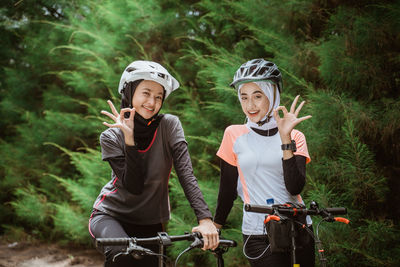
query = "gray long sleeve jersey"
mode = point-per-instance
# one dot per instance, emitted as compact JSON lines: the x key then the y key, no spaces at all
{"x":138,"y":189}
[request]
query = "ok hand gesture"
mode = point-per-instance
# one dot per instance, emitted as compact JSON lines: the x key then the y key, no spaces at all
{"x":289,"y":120}
{"x":126,"y":125}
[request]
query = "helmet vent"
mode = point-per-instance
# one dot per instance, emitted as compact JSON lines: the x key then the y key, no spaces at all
{"x":275,"y":73}
{"x":262,"y":71}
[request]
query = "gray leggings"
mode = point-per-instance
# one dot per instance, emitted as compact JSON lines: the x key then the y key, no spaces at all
{"x":104,"y":225}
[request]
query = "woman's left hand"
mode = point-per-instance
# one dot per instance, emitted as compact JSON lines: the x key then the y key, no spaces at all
{"x":209,"y":232}
{"x":289,"y":120}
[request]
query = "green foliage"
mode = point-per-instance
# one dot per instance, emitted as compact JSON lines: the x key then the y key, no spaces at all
{"x":352,"y":60}
{"x":71,"y":223}
{"x":31,"y":206}
{"x":62,"y":59}
{"x":365,"y":184}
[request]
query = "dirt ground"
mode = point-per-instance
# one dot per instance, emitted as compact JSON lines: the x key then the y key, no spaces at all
{"x":23,"y":254}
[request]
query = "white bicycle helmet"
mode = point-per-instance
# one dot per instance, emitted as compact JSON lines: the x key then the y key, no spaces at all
{"x":257,"y":69}
{"x":148,"y":70}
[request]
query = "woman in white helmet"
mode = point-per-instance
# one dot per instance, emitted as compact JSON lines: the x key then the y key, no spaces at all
{"x":263,"y":161}
{"x":141,"y":146}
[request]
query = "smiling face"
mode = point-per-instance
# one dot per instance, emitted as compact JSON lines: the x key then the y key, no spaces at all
{"x":255,"y":103}
{"x":148,"y":98}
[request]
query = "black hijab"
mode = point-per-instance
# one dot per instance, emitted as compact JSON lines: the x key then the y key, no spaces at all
{"x":144,"y":129}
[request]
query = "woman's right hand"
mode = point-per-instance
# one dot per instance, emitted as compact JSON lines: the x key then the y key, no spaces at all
{"x":218,"y":226}
{"x":126,"y":125}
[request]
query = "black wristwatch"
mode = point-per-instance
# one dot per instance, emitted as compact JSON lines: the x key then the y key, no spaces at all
{"x":291,"y":146}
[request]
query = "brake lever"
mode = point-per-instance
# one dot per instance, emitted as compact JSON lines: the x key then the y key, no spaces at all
{"x":197,"y":243}
{"x":327,"y":216}
{"x":136,"y":251}
{"x":119,"y":254}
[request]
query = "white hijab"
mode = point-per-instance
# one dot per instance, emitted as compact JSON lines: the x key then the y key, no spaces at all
{"x":268,"y":89}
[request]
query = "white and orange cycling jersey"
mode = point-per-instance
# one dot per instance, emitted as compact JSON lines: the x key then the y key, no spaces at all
{"x":259,"y":163}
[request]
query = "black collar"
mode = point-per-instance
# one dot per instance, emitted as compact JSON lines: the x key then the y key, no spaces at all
{"x":269,"y":132}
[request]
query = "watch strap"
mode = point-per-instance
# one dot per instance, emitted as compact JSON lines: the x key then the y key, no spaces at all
{"x":291,"y":146}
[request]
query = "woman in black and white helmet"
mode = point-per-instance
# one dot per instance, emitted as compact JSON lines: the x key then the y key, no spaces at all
{"x":141,"y":146}
{"x":267,"y":156}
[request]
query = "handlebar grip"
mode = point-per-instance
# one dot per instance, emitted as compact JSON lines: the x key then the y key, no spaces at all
{"x":336,"y":211}
{"x":258,"y":209}
{"x":123,"y":241}
{"x":272,"y":217}
{"x":343,"y":220}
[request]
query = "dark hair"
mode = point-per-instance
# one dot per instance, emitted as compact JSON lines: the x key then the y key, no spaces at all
{"x":127,"y":93}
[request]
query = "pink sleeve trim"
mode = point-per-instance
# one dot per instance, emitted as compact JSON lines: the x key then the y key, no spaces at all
{"x":301,"y":144}
{"x":225,"y":150}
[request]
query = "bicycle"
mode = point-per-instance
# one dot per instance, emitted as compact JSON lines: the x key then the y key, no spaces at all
{"x":288,"y":213}
{"x":162,"y":240}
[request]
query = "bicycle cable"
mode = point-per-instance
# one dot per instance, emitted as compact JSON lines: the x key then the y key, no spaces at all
{"x":139,"y":251}
{"x":163,"y":257}
{"x":180,"y":254}
{"x":196,"y":243}
{"x":253,"y":258}
{"x":305,"y":227}
{"x":317,"y":230}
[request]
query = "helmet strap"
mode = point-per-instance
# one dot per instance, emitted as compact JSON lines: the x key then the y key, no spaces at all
{"x":267,"y":119}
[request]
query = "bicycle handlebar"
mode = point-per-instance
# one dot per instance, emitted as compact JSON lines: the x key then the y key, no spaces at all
{"x":293,"y":211}
{"x":165,"y":240}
